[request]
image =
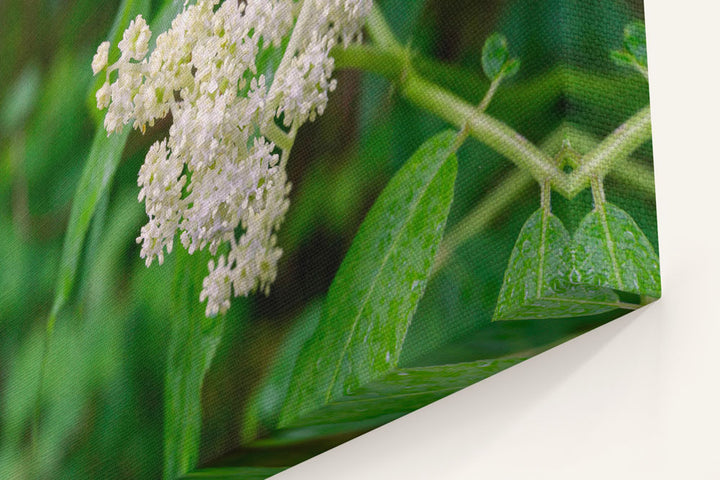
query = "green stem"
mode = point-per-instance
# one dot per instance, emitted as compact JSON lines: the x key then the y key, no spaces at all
{"x":598,"y":191}
{"x":465,"y":130}
{"x":452,"y":109}
{"x":276,"y":135}
{"x":636,"y":176}
{"x":379,"y":30}
{"x":446,"y":105}
{"x":297,"y":35}
{"x":642,"y":69}
{"x":545,"y":196}
{"x":391,"y":61}
{"x":492,"y":132}
{"x":489,"y":94}
{"x":485,"y":128}
{"x":616,"y":146}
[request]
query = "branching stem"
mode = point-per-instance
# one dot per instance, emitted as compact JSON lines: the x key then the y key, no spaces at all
{"x":276,"y":135}
{"x":615,"y":147}
{"x":389,"y":59}
{"x":393,"y":65}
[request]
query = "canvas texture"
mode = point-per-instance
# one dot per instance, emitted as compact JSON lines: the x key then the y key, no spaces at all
{"x":237,"y":234}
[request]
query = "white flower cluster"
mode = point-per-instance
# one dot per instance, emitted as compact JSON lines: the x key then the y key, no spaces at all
{"x":218,"y":178}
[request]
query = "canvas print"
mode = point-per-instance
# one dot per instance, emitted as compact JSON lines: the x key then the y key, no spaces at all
{"x":236,"y":234}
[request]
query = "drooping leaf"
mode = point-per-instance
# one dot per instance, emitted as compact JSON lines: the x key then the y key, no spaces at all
{"x":611,"y":251}
{"x":536,"y":283}
{"x":375,"y":292}
{"x":193,"y":342}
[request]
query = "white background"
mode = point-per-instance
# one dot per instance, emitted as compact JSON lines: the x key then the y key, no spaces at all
{"x":637,"y":398}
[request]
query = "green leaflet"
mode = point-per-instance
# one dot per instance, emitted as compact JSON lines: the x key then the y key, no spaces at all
{"x":193,"y":342}
{"x":495,"y":55}
{"x":496,"y":59}
{"x":536,"y":283}
{"x":376,"y":290}
{"x":611,"y":251}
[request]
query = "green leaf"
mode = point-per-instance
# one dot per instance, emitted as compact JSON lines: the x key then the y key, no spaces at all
{"x":265,"y":404}
{"x":495,"y":55}
{"x":536,"y":283}
{"x":376,"y":290}
{"x":193,"y":342}
{"x":234,"y":473}
{"x":611,"y":251}
{"x":401,"y":391}
{"x":635,"y":42}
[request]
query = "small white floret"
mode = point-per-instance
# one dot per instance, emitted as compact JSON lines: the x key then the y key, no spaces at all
{"x":136,"y":38}
{"x":103,"y":96}
{"x":100,"y":60}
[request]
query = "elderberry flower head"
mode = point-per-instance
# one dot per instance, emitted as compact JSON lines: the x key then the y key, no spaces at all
{"x":218,"y":179}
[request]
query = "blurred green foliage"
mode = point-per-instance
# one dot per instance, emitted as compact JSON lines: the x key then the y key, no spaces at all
{"x":102,"y":398}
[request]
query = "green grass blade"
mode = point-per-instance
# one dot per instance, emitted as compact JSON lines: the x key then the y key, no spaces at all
{"x":193,"y":342}
{"x":96,"y":178}
{"x":374,"y":295}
